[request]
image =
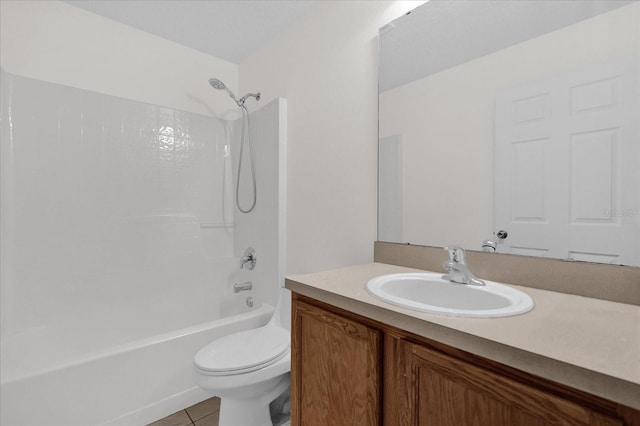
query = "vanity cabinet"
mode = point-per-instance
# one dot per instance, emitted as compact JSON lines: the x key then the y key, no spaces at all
{"x":446,"y":391}
{"x":349,"y":370}
{"x":338,"y":375}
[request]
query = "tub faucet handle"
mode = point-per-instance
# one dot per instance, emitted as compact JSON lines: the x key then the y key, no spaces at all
{"x":249,"y":259}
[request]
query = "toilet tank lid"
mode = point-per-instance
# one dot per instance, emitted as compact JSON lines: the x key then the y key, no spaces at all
{"x":244,"y":350}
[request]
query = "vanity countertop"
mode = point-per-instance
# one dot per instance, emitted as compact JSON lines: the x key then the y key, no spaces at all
{"x":588,"y":344}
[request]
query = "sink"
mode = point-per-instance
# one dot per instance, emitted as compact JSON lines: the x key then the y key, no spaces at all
{"x":428,"y":292}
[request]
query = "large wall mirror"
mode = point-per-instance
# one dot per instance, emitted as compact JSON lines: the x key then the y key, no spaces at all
{"x":515,"y":116}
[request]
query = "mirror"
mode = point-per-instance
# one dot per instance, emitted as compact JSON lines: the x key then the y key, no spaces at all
{"x":514,"y":116}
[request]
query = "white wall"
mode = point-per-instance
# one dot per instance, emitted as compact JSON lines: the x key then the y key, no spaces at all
{"x":446,"y":122}
{"x":56,"y":42}
{"x":76,"y":53}
{"x":326,"y":65}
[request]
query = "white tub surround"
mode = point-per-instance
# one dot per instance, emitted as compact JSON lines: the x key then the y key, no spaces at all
{"x":120,"y":248}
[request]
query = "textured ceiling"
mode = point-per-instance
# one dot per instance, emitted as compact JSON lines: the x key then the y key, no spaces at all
{"x":230,"y":30}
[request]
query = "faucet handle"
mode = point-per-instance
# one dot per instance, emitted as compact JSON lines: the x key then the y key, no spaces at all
{"x":456,"y":253}
{"x":249,"y":259}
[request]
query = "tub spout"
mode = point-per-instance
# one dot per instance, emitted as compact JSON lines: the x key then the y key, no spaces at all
{"x":237,"y":288}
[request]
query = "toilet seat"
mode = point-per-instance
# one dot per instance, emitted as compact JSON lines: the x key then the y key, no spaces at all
{"x":243,"y":352}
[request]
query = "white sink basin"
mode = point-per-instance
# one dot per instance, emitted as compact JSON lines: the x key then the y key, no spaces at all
{"x":428,"y":292}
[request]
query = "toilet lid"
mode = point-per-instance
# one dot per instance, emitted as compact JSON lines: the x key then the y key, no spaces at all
{"x":244,"y":351}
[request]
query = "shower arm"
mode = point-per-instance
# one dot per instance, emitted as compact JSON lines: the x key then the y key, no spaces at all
{"x":241,"y":101}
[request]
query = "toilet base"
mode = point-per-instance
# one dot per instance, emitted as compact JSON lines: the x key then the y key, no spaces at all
{"x":251,"y":411}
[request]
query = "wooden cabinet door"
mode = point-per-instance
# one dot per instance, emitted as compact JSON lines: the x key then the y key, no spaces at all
{"x":335,"y":370}
{"x":449,"y":392}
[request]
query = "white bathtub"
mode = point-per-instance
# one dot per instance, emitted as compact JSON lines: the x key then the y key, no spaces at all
{"x":127,"y":384}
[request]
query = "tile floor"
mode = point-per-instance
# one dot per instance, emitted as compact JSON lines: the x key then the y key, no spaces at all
{"x":204,"y":413}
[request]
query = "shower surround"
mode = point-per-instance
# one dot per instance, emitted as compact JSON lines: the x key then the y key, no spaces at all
{"x":120,"y":244}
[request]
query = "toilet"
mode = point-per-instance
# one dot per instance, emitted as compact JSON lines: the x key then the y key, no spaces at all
{"x":250,"y":369}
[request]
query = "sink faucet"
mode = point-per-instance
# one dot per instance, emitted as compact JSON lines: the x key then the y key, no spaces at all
{"x":457,"y":269}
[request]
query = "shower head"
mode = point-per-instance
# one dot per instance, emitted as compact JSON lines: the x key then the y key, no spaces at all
{"x":217,"y":84}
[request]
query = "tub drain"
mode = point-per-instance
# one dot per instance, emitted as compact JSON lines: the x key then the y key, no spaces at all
{"x":249,"y":302}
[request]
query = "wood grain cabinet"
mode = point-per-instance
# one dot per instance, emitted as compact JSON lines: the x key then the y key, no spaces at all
{"x":337,"y":378}
{"x":446,"y":392}
{"x":348,"y":370}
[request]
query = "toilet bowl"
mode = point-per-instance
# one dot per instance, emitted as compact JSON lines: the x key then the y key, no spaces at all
{"x":249,"y":369}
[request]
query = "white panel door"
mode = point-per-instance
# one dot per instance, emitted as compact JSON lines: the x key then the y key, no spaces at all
{"x":567,"y":180}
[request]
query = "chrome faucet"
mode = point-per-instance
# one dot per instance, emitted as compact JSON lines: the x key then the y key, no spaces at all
{"x":249,"y":259}
{"x":457,"y":269}
{"x":237,"y":288}
{"x":489,"y":246}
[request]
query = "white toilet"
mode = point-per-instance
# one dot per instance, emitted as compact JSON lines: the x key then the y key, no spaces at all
{"x":249,"y":369}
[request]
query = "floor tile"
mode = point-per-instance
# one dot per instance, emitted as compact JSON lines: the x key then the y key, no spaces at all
{"x":178,"y":419}
{"x":204,"y":408}
{"x":210,"y":420}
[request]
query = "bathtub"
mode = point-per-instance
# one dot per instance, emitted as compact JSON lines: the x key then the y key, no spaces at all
{"x":126,"y":384}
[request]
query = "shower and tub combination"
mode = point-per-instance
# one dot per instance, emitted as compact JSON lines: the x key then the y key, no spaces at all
{"x":120,"y":249}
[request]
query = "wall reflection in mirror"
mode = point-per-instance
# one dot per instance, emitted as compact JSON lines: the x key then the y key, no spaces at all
{"x":515,"y":116}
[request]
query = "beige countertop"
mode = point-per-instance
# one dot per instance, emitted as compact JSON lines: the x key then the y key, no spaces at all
{"x":588,"y":344}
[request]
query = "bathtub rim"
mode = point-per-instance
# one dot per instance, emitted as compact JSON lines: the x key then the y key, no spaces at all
{"x":7,"y":378}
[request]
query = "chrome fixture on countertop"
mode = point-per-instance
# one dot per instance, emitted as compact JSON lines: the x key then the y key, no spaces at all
{"x":457,"y":269}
